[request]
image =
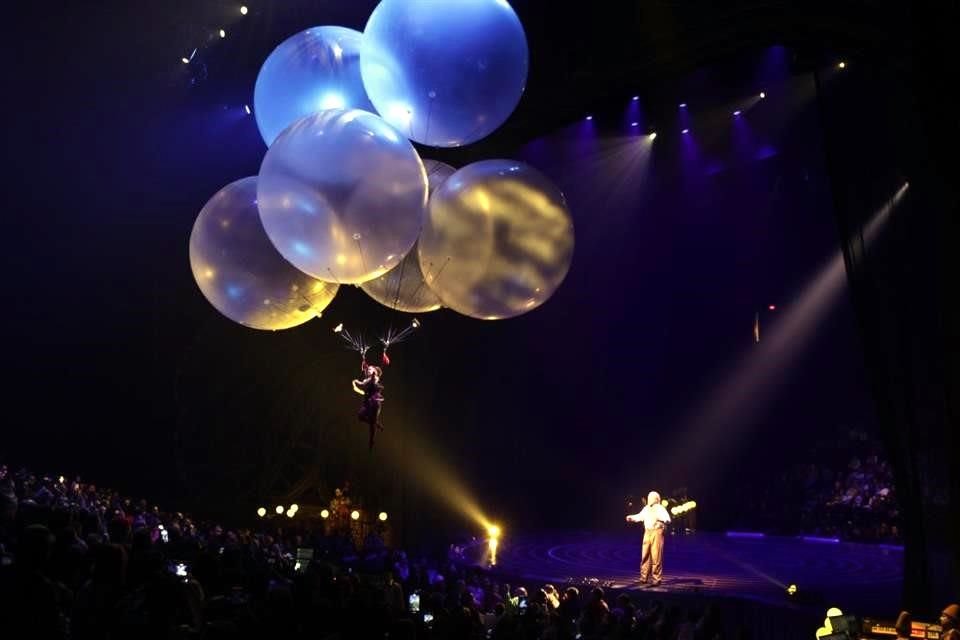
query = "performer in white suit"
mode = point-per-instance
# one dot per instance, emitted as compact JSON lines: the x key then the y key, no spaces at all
{"x":654,"y":517}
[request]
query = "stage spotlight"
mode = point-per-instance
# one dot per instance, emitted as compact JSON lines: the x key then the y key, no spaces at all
{"x":383,"y":516}
{"x":185,"y":60}
{"x":243,"y":10}
{"x":61,"y":479}
{"x":772,"y":307}
{"x":279,"y":509}
{"x":291,"y":513}
{"x":246,"y":108}
{"x":762,"y":95}
{"x":842,"y":65}
{"x":590,"y":117}
{"x":324,"y":514}
{"x":737,"y":113}
{"x":354,"y":515}
{"x":685,"y":131}
{"x":683,"y":105}
{"x":792,"y":590}
{"x":294,"y":507}
{"x":223,"y":34}
{"x":261,"y":512}
{"x":653,"y":135}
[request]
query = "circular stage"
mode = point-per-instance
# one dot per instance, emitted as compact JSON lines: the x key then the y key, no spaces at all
{"x":865,"y":577}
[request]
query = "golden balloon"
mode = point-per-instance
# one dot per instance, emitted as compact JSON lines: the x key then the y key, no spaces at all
{"x":498,"y":240}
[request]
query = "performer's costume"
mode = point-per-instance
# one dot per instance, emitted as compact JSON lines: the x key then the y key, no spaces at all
{"x":654,"y":517}
{"x":372,"y":402}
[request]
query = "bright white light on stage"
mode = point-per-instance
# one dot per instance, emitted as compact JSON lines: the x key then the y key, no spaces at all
{"x":653,"y":135}
{"x":185,"y":60}
{"x":243,"y":10}
{"x":354,"y":515}
{"x":261,"y":512}
{"x":792,"y":590}
{"x":842,"y":65}
{"x":683,"y":105}
{"x":635,"y":98}
{"x":223,"y":34}
{"x":493,"y":531}
{"x":589,"y":117}
{"x":772,"y":307}
{"x":762,"y":95}
{"x":294,"y":507}
{"x":279,"y":509}
{"x":736,"y":113}
{"x":685,"y":131}
{"x":634,"y":124}
{"x":324,"y":514}
{"x":291,"y":513}
{"x":383,"y":516}
{"x":246,"y":108}
{"x":61,"y":479}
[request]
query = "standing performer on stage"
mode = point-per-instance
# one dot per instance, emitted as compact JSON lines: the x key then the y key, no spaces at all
{"x":654,"y":517}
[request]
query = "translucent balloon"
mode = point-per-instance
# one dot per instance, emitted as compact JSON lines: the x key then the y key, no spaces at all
{"x":240,"y":272}
{"x":444,"y":76}
{"x":403,"y":288}
{"x":311,"y":71}
{"x":498,"y":240}
{"x":342,"y":195}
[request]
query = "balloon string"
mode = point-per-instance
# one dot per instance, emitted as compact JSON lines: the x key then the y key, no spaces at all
{"x":363,"y":262}
{"x":424,"y":281}
{"x":396,"y":298}
{"x":335,"y":279}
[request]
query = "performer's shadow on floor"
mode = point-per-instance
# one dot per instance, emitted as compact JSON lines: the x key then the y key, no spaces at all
{"x":668,"y":583}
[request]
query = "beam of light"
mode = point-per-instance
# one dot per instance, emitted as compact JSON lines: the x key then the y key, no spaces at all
{"x":185,"y":60}
{"x":243,"y":10}
{"x":763,"y":95}
{"x":417,"y":460}
{"x":653,"y":135}
{"x":750,"y":383}
{"x":223,"y":34}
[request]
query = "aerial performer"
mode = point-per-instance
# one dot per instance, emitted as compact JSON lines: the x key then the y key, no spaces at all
{"x":369,"y":384}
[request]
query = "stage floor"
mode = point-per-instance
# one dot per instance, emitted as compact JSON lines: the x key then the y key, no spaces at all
{"x":862,"y":577}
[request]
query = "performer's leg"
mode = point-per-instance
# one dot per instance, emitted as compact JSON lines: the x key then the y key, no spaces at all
{"x":656,"y":553}
{"x":645,"y":557}
{"x":373,"y":431}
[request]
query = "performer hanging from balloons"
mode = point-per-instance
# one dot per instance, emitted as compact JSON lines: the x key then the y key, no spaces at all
{"x":372,"y":391}
{"x":369,"y":385}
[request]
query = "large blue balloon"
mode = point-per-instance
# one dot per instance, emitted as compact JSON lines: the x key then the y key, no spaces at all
{"x":342,"y":195}
{"x":445,"y":74}
{"x":311,"y":71}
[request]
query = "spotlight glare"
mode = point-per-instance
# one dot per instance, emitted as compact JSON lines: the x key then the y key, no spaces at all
{"x":683,"y":105}
{"x":383,"y":516}
{"x":223,"y":34}
{"x":772,"y":307}
{"x":763,"y":95}
{"x":294,"y":507}
{"x":324,"y":514}
{"x":354,"y":515}
{"x":243,"y":10}
{"x":635,"y":98}
{"x":261,"y":512}
{"x":737,"y":113}
{"x":246,"y":108}
{"x":653,"y":135}
{"x":842,"y":65}
{"x":279,"y":509}
{"x":590,"y":117}
{"x":493,"y":531}
{"x":634,"y":124}
{"x":291,"y":513}
{"x":685,"y":131}
{"x":792,"y":590}
{"x":185,"y":60}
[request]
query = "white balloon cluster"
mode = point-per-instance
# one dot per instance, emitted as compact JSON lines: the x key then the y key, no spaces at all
{"x":343,"y":197}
